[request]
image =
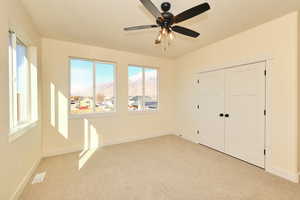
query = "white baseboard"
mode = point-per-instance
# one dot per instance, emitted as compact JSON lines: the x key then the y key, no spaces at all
{"x":27,"y":177}
{"x":107,"y":143}
{"x":133,"y":139}
{"x":62,"y":151}
{"x":25,"y":180}
{"x":294,"y":177}
{"x":188,"y":139}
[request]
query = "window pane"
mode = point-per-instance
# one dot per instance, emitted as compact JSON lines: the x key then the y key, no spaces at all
{"x":21,"y":82}
{"x":151,"y":93}
{"x":81,"y":99}
{"x":135,"y":88}
{"x":105,"y":98}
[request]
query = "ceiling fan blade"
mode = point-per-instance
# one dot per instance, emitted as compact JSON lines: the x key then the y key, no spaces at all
{"x":151,"y":8}
{"x":192,"y":12}
{"x":140,"y":27}
{"x":185,"y":31}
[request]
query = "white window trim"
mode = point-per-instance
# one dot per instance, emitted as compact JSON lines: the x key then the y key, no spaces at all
{"x":94,"y":114}
{"x":143,"y":111}
{"x":21,"y":130}
{"x":18,"y":130}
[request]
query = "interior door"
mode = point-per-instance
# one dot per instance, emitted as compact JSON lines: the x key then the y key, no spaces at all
{"x":245,"y":105}
{"x":211,"y":105}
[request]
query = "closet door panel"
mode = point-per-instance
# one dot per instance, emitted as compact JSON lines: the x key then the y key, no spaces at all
{"x":245,"y":104}
{"x":211,"y":105}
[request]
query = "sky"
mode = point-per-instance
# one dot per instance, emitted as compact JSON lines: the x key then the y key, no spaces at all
{"x":82,"y":72}
{"x":82,"y":75}
{"x":21,"y":68}
{"x":133,"y":71}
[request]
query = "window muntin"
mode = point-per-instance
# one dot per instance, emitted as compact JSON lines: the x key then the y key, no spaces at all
{"x":142,"y":89}
{"x":92,"y":87}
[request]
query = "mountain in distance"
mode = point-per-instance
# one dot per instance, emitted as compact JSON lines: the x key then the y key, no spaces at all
{"x":135,"y":87}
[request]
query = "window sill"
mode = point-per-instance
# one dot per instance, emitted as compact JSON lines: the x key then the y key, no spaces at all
{"x":142,"y":112}
{"x":21,"y":130}
{"x":92,"y":115}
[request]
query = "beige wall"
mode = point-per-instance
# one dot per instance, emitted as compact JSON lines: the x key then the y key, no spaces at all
{"x":18,"y":157}
{"x":62,"y":134}
{"x":277,"y":40}
{"x":298,"y":93}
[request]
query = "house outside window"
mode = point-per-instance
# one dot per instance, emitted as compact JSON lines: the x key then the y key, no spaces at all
{"x":143,"y":87}
{"x":92,"y":87}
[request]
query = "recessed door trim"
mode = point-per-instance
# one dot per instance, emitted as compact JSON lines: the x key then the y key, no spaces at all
{"x":268,"y":66}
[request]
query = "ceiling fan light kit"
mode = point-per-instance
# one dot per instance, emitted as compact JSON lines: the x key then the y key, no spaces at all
{"x":164,"y":38}
{"x":165,"y":20}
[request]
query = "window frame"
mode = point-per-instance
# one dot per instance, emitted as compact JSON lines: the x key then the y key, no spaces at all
{"x":93,"y":114}
{"x":16,"y":128}
{"x":143,"y":110}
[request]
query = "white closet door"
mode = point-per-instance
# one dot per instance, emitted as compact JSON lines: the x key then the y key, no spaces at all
{"x":245,"y":104}
{"x":211,"y":104}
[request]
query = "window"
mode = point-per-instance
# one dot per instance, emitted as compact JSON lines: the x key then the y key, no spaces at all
{"x":142,"y":89}
{"x":92,"y":87}
{"x":23,"y":84}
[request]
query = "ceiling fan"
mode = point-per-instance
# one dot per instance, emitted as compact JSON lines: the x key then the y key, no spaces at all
{"x":166,"y":20}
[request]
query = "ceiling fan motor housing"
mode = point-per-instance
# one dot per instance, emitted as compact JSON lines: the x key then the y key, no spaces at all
{"x":166,"y":6}
{"x":167,"y":18}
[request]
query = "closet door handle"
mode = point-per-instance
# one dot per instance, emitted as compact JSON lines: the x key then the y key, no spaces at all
{"x":226,"y":115}
{"x":221,"y":115}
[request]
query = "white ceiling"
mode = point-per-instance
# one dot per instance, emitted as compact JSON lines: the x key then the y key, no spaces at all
{"x":101,"y":22}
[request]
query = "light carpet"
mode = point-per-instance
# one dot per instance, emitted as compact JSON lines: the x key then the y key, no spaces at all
{"x":163,"y":168}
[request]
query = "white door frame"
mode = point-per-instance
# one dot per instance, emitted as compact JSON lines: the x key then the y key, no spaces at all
{"x":268,"y":64}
